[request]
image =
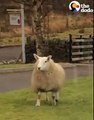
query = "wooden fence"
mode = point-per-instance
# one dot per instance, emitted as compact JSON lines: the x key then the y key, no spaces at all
{"x":81,"y":48}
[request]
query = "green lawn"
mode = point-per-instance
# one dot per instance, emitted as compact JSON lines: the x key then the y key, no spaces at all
{"x":75,"y":103}
{"x":6,"y":66}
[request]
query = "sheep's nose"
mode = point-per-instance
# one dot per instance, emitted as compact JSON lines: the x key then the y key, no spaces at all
{"x":38,"y":68}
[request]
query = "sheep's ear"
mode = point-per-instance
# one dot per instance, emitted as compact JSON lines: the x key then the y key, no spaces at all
{"x":49,"y":57}
{"x":36,"y":56}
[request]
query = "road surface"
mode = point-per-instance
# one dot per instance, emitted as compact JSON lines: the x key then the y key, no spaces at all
{"x":10,"y":53}
{"x":19,"y":80}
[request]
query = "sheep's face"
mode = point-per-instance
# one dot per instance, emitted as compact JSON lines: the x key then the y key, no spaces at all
{"x":43,"y":62}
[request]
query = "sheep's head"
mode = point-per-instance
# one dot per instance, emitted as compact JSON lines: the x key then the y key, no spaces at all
{"x":43,"y":63}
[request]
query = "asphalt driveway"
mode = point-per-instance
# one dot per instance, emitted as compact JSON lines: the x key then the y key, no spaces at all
{"x":19,"y":80}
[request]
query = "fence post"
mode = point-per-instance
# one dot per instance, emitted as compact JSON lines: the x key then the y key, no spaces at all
{"x":93,"y":47}
{"x":80,"y":43}
{"x":70,"y":48}
{"x":91,"y":37}
{"x":80,"y":36}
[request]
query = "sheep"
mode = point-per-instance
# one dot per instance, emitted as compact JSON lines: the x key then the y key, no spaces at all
{"x":47,"y":76}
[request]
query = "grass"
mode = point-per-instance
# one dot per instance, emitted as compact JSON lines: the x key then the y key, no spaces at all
{"x":16,"y":66}
{"x":65,"y":34}
{"x":10,"y":41}
{"x":75,"y":104}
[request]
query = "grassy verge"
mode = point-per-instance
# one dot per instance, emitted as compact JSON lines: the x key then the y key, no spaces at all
{"x":75,"y":104}
{"x":17,"y":66}
{"x":63,"y":35}
{"x":9,"y":41}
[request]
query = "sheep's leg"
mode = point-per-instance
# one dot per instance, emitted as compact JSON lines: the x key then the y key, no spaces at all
{"x":47,"y":97}
{"x":54,"y":97}
{"x":57,"y":96}
{"x":38,"y":99}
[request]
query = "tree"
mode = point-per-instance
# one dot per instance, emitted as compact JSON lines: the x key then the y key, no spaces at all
{"x":39,"y":10}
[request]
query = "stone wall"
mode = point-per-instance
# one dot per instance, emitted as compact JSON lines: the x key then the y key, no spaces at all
{"x":59,"y":49}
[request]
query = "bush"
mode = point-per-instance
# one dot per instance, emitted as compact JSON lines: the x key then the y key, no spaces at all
{"x":82,"y":30}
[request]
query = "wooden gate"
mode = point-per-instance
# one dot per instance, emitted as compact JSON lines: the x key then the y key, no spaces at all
{"x":81,"y":48}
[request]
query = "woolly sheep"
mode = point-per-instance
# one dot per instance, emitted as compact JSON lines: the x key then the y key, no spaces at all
{"x":47,"y":76}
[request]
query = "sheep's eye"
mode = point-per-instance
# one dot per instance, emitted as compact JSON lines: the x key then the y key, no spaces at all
{"x":45,"y":61}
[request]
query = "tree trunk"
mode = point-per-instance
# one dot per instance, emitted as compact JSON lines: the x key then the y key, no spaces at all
{"x":39,"y":37}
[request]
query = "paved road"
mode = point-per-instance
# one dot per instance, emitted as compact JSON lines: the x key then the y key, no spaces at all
{"x":19,"y":80}
{"x":9,"y":52}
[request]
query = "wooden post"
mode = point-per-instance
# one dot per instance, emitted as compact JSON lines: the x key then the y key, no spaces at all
{"x":93,"y":46}
{"x":80,"y":36}
{"x":81,"y":50}
{"x":70,"y":48}
{"x":0,"y":32}
{"x":90,"y":36}
{"x":23,"y":34}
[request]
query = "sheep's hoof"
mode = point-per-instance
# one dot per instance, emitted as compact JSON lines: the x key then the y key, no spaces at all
{"x":57,"y":101}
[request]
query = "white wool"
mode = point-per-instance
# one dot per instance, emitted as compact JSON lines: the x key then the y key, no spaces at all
{"x":47,"y":75}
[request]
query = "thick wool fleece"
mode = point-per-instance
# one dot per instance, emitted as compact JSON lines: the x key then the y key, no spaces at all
{"x":50,"y":80}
